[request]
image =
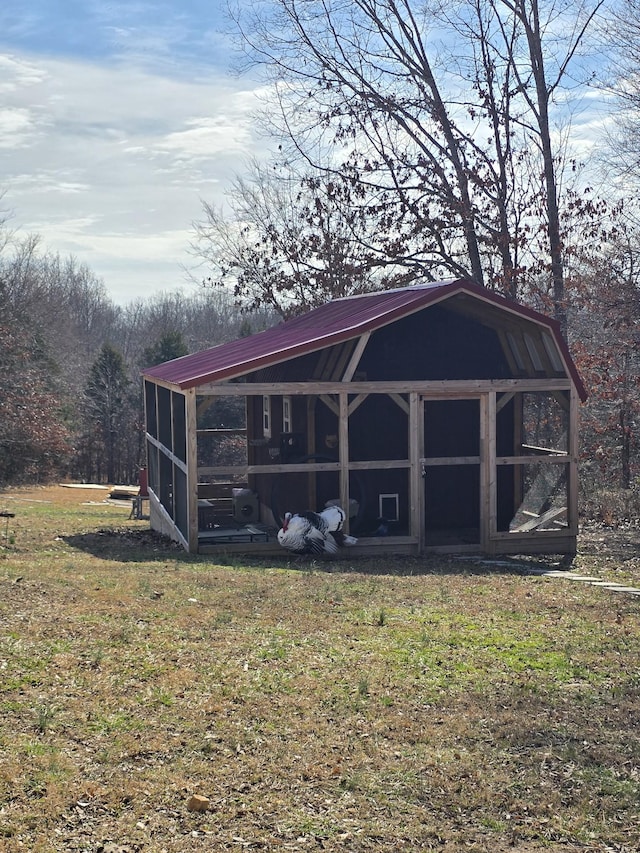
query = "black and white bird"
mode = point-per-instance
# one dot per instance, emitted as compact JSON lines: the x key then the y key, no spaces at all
{"x":315,"y":532}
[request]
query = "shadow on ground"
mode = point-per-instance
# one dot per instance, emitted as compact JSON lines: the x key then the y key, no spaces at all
{"x":129,"y":545}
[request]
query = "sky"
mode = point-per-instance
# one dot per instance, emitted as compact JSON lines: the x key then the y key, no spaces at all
{"x":117,"y":120}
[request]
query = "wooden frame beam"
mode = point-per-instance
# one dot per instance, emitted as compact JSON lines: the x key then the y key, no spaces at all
{"x":440,"y":388}
{"x":352,"y":366}
{"x":343,"y":449}
{"x":191,"y":420}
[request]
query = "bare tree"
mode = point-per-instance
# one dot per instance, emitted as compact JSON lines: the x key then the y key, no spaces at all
{"x":34,"y":437}
{"x":554,"y":33}
{"x":291,"y":242}
{"x":622,"y":80}
{"x":440,"y":116}
{"x":68,"y":404}
{"x":5,"y":233}
{"x":605,"y":331}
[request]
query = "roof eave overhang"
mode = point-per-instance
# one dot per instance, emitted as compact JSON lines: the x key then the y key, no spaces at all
{"x":240,"y":369}
{"x":383,"y":318}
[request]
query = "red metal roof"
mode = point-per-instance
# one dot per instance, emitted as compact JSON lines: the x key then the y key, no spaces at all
{"x":335,"y":322}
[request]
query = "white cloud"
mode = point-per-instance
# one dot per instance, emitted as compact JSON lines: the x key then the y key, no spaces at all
{"x":111,"y":163}
{"x":15,"y":73}
{"x":16,"y":126}
{"x":205,"y":137}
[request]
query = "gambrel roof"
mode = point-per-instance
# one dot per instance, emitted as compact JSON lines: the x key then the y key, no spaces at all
{"x":350,"y":317}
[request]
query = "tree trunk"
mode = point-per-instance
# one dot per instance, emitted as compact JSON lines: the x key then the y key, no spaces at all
{"x":531,"y":24}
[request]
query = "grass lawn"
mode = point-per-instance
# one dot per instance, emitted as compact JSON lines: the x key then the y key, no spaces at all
{"x":398,"y":705}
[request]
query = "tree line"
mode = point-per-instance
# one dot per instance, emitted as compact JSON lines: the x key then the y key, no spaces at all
{"x":70,"y":364}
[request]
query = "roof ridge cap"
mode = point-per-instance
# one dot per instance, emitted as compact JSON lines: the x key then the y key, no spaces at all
{"x":416,"y":286}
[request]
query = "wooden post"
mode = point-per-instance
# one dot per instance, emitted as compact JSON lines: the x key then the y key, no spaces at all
{"x":421,"y":472}
{"x":518,"y":476}
{"x":311,"y":402}
{"x":573,"y":448}
{"x":415,"y":469}
{"x":343,"y":445}
{"x":488,"y":414}
{"x":192,"y":469}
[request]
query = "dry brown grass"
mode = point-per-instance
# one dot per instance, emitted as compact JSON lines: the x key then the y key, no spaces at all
{"x":404,"y":705}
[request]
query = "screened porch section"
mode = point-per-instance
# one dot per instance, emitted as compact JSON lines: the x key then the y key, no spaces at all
{"x":166,"y":419}
{"x":533,"y":461}
{"x":414,"y":470}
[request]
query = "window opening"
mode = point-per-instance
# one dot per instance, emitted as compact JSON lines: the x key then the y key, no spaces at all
{"x":515,"y":351}
{"x":266,"y":416}
{"x":534,"y":355}
{"x":286,"y":415}
{"x":552,"y":352}
{"x":389,"y":507}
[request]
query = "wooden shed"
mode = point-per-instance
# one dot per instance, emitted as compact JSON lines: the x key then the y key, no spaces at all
{"x":443,"y":409}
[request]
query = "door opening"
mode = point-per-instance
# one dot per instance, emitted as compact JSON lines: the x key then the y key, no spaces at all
{"x":451,"y":471}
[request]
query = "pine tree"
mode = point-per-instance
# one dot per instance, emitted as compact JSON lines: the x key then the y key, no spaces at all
{"x":106,"y":400}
